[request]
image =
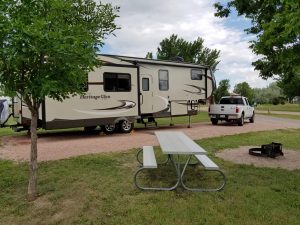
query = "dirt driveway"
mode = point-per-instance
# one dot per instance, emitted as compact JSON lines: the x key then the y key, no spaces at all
{"x":64,"y":145}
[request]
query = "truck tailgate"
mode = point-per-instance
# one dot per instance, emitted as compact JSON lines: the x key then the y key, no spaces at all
{"x":222,"y":109}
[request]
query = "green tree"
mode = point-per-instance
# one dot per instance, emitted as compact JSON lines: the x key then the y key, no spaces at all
{"x":222,"y":89}
{"x":244,"y":89}
{"x":47,"y":49}
{"x":267,"y":94}
{"x":193,"y":52}
{"x":291,"y":85}
{"x":276,"y":25}
{"x":149,"y":55}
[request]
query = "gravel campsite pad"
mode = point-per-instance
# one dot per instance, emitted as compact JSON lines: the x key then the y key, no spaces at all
{"x":290,"y":160}
{"x":70,"y":144}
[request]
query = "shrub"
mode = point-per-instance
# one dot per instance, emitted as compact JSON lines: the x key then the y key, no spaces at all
{"x":275,"y":101}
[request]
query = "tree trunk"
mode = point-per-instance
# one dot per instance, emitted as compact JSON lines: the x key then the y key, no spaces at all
{"x":33,"y":165}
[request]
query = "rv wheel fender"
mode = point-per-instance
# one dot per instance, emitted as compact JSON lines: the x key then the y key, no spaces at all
{"x":125,"y":126}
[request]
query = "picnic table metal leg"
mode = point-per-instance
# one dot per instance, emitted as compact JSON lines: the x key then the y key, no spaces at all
{"x":137,"y":156}
{"x":166,"y":161}
{"x":202,"y":189}
{"x":177,"y":166}
{"x":159,"y":188}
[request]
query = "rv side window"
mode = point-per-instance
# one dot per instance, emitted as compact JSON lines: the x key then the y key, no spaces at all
{"x":197,"y":74}
{"x":117,"y":82}
{"x":145,"y":84}
{"x":163,"y":80}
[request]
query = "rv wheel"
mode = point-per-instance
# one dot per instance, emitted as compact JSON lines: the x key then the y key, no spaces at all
{"x":108,"y":129}
{"x":214,"y":121}
{"x":89,"y":129}
{"x":125,"y":126}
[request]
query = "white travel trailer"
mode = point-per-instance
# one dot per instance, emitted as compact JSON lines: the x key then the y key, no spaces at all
{"x":123,"y":90}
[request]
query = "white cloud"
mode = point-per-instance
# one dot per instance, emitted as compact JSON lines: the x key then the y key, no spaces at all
{"x":145,"y":23}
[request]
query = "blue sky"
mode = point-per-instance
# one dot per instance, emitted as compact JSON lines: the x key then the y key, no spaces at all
{"x":145,"y":23}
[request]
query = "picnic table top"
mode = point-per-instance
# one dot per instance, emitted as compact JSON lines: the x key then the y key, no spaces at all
{"x":174,"y":142}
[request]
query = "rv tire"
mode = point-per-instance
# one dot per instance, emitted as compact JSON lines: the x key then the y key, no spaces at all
{"x":214,"y":121}
{"x":125,"y":126}
{"x":89,"y":129}
{"x":108,"y":129}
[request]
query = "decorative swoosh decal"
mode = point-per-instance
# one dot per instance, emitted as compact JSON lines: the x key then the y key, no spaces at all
{"x":199,"y":90}
{"x":166,"y":101}
{"x":124,"y":107}
{"x":167,"y":105}
{"x":102,"y":113}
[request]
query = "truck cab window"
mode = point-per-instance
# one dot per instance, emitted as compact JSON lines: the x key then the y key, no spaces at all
{"x":117,"y":82}
{"x":196,"y":74}
{"x":231,"y":101}
{"x":163,"y":80}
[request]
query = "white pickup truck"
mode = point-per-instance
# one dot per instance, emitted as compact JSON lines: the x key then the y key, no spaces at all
{"x":231,"y":109}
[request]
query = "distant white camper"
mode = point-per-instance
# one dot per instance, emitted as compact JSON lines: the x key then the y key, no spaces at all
{"x":124,"y":90}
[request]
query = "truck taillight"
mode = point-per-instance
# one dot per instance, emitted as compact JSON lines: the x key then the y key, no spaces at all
{"x":237,"y":109}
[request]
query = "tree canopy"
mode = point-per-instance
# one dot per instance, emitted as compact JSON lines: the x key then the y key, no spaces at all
{"x":244,"y":89}
{"x":290,"y":85}
{"x":194,"y":52}
{"x":149,"y":55}
{"x":222,"y":90}
{"x":267,"y":94}
{"x":276,"y":24}
{"x":47,"y":47}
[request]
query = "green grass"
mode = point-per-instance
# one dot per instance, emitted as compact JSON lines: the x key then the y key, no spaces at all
{"x":5,"y":131}
{"x":287,"y":116}
{"x":286,"y":107}
{"x":200,"y":117}
{"x":98,"y":189}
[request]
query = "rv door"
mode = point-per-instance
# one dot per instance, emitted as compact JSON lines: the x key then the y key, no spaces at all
{"x":146,"y":96}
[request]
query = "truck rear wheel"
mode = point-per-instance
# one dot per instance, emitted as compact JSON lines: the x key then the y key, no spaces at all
{"x":252,"y":118}
{"x":108,"y":129}
{"x":214,"y":121}
{"x":125,"y":126}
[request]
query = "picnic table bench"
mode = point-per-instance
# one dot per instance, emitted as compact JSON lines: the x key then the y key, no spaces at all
{"x":174,"y":144}
{"x":149,"y":160}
